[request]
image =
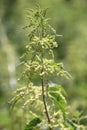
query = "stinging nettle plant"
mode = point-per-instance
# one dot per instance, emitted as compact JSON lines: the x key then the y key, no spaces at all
{"x":46,"y":101}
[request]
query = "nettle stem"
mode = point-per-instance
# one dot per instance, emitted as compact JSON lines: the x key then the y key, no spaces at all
{"x":44,"y":102}
{"x":42,"y":82}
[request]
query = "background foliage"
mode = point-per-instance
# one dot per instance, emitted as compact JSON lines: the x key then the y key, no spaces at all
{"x":69,"y":18}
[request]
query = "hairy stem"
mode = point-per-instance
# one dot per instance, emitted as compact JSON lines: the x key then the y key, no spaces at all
{"x":44,"y":101}
{"x":42,"y":82}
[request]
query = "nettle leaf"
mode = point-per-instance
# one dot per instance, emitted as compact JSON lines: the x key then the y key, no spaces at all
{"x":13,"y":102}
{"x":58,"y":88}
{"x":32,"y":124}
{"x":58,"y":97}
{"x":70,"y":124}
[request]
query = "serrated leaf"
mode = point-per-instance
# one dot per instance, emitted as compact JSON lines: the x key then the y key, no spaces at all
{"x":15,"y":100}
{"x":70,"y":124}
{"x":58,"y":88}
{"x":61,"y":102}
{"x":32,"y":123}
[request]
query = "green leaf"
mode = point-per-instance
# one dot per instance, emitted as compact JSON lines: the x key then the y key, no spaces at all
{"x":70,"y":124}
{"x":58,"y":88}
{"x":13,"y":102}
{"x":58,"y":97}
{"x":32,"y":123}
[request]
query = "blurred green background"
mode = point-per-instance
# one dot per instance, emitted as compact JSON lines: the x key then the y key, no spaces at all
{"x":69,"y":18}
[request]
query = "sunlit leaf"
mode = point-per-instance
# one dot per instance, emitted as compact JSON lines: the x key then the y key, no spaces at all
{"x":61,"y":102}
{"x":58,"y":88}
